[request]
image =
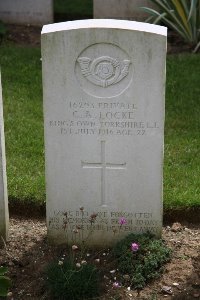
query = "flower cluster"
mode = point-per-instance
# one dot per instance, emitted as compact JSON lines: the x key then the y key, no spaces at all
{"x":134,"y":247}
{"x":116,"y":285}
{"x":122,"y":221}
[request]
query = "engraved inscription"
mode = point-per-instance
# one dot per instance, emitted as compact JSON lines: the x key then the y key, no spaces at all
{"x":105,"y":70}
{"x":103,"y":119}
{"x":107,"y":221}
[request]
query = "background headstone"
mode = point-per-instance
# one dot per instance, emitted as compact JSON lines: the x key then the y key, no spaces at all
{"x":121,"y":9}
{"x":4,"y":218}
{"x":103,"y":87}
{"x":34,"y":12}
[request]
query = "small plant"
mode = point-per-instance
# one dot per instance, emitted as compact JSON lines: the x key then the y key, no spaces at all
{"x":182,"y":16}
{"x":4,"y":282}
{"x":75,"y":233}
{"x":74,"y":278}
{"x":141,"y":257}
{"x":67,"y":280}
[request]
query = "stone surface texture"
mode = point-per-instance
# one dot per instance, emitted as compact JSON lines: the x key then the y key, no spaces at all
{"x":34,"y":12}
{"x":4,"y":218}
{"x":103,"y":89}
{"x":121,"y":9}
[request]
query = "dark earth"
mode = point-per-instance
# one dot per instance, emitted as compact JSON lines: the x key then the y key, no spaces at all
{"x":27,"y":251}
{"x":30,"y":36}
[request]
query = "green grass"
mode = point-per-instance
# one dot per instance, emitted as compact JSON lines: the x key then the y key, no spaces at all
{"x":182,"y":132}
{"x":22,"y":91}
{"x":80,"y":8}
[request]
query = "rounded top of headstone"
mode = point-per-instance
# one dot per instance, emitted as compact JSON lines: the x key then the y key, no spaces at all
{"x":105,"y":23}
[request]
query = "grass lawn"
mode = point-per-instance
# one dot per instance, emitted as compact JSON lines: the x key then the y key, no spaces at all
{"x":74,"y":9}
{"x":182,"y":132}
{"x":22,"y":92}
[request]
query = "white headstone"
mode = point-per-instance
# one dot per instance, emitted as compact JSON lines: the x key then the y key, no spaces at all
{"x":103,"y":87}
{"x":121,"y":9}
{"x":34,"y":12}
{"x":3,"y":179}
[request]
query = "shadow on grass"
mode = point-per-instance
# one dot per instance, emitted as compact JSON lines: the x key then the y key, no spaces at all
{"x":63,"y":17}
{"x":182,"y":215}
{"x":27,"y":208}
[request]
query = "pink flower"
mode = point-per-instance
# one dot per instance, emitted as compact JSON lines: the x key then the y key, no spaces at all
{"x":134,"y":247}
{"x":122,"y":221}
{"x":116,"y":285}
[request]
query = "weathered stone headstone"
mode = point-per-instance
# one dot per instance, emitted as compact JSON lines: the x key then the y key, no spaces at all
{"x":103,"y":86}
{"x":34,"y":12}
{"x":121,"y":9}
{"x":3,"y":179}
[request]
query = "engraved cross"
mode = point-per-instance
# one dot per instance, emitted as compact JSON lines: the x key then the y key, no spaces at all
{"x":103,"y":165}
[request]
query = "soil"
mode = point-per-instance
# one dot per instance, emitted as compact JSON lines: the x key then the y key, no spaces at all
{"x":31,"y":35}
{"x":27,"y":251}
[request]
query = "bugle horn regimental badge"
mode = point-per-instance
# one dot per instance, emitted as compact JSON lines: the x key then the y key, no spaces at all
{"x":104,"y":71}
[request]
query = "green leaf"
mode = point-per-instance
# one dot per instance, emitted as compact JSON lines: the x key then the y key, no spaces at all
{"x":4,"y":285}
{"x":192,"y":8}
{"x":159,"y":18}
{"x":183,"y":16}
{"x":181,"y":13}
{"x":3,"y":270}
